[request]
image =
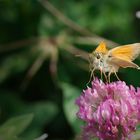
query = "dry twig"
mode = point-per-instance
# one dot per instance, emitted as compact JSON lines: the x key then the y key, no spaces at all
{"x":65,"y":20}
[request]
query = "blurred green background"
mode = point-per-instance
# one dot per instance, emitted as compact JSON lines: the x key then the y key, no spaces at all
{"x":40,"y":77}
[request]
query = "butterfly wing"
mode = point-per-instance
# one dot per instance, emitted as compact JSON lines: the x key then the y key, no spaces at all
{"x":124,"y":55}
{"x":126,"y":52}
{"x":123,"y":63}
{"x":101,"y":48}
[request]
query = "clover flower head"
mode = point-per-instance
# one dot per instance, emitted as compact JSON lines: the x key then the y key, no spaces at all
{"x":111,"y":110}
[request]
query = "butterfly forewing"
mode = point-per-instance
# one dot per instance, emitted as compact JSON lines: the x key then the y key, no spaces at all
{"x":126,"y":52}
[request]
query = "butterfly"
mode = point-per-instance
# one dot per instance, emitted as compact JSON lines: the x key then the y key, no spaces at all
{"x":109,"y":61}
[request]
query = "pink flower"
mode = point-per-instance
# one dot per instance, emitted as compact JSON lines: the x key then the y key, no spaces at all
{"x":111,"y":111}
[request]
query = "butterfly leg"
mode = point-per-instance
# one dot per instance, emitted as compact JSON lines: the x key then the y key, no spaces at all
{"x":109,"y":74}
{"x":91,"y":75}
{"x":105,"y":76}
{"x":101,"y":72}
{"x":117,"y":76}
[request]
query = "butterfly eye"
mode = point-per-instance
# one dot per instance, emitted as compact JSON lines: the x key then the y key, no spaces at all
{"x":98,"y":56}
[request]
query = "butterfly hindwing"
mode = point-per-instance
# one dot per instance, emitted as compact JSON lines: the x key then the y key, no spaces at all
{"x":123,"y":63}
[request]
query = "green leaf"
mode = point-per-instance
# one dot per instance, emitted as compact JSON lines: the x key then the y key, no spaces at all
{"x":44,"y":113}
{"x":70,"y":94}
{"x":16,"y":125}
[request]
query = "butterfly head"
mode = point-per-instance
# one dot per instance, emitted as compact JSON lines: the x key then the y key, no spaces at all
{"x":96,"y":60}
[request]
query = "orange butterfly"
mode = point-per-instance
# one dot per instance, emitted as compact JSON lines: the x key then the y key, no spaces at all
{"x":111,"y":60}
